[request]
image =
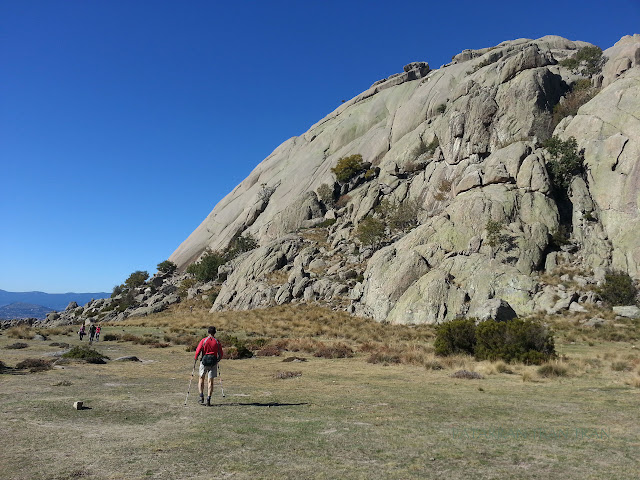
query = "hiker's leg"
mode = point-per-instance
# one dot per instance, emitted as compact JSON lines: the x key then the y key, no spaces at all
{"x":210,"y":389}
{"x":201,"y":385}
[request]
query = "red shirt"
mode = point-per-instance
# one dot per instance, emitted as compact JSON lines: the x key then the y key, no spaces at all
{"x":209,"y":346}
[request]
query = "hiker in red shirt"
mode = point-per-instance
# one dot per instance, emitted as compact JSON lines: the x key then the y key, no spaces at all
{"x":211,"y":354}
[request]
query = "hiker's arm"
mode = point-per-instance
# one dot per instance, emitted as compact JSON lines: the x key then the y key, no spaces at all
{"x":198,"y":348}
{"x":219,"y":351}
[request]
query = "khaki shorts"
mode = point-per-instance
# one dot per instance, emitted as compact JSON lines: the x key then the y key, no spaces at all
{"x":211,"y":371}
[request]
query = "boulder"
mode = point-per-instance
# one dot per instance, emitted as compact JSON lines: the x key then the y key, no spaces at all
{"x":630,"y":311}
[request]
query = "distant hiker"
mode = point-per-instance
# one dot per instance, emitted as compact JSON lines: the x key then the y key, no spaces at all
{"x":81,"y":332}
{"x":92,"y":332}
{"x":98,"y":333}
{"x":211,"y":354}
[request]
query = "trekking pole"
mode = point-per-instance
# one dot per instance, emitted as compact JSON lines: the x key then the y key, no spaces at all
{"x":192,"y":373}
{"x":220,"y":377}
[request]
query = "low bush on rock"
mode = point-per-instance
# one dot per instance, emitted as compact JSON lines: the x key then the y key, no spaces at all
{"x":566,"y":162}
{"x":348,"y":167}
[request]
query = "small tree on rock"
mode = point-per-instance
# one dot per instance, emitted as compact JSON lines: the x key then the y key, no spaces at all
{"x":136,"y":279}
{"x":167,"y":267}
{"x":348,"y":167}
{"x":371,"y":231}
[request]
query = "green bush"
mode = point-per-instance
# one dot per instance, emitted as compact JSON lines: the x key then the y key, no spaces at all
{"x":85,"y":353}
{"x":167,"y":267}
{"x":207,"y":268}
{"x":587,"y":61}
{"x":518,"y":340}
{"x":456,"y":336}
{"x":117,"y":290}
{"x":371,"y":231}
{"x":401,"y":216}
{"x":240,"y":244}
{"x":136,"y":279}
{"x":565,"y":161}
{"x":618,"y":289}
{"x":348,"y":167}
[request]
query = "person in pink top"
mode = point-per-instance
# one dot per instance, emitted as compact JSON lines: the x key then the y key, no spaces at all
{"x":211,"y":354}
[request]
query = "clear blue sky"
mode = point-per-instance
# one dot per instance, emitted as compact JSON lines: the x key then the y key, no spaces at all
{"x":123,"y":122}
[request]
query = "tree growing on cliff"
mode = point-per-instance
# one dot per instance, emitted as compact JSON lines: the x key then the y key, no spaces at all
{"x":136,"y":279}
{"x":167,"y":267}
{"x":371,"y":231}
{"x":348,"y":167}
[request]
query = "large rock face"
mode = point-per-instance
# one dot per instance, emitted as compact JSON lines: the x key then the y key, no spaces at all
{"x":463,"y":145}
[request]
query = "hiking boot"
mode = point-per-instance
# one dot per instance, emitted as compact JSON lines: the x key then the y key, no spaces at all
{"x":208,"y":402}
{"x":201,"y":400}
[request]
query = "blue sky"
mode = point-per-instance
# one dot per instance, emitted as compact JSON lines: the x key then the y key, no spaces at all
{"x":123,"y":123}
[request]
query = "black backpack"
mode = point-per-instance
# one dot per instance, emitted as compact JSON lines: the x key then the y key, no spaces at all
{"x":208,"y":360}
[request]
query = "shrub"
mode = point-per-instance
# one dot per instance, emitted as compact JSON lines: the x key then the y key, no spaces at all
{"x":136,"y":279}
{"x":441,"y":108}
{"x":85,"y":353}
{"x":240,"y":244}
{"x":343,"y":200}
{"x":16,"y":346}
{"x":117,"y":290}
{"x":444,"y":189}
{"x":348,"y":167}
{"x":456,"y":336}
{"x":581,"y":93}
{"x":34,"y":365}
{"x":237,"y":353}
{"x":269,"y":351}
{"x":23,"y":332}
{"x":326,"y":194}
{"x":338,"y":350}
{"x":265,"y":192}
{"x":400,"y":215}
{"x":466,"y":374}
{"x":111,"y":337}
{"x":371,"y":231}
{"x":519,"y":340}
{"x":618,"y":289}
{"x":167,"y":267}
{"x":495,"y":237}
{"x":587,"y":61}
{"x":551,"y":370}
{"x":234,"y":348}
{"x":207,"y":268}
{"x":565,"y":161}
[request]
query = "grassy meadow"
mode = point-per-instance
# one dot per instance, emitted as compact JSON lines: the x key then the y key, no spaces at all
{"x":361,"y":400}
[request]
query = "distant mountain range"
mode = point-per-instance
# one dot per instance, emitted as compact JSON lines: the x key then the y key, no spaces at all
{"x":23,"y":310}
{"x":26,"y":304}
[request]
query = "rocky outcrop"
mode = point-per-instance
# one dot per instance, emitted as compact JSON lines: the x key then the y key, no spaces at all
{"x":463,"y":145}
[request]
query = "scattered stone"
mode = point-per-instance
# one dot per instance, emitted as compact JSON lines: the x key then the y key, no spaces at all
{"x":594,"y":322}
{"x":629,"y":311}
{"x":128,"y":358}
{"x":78,"y":405}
